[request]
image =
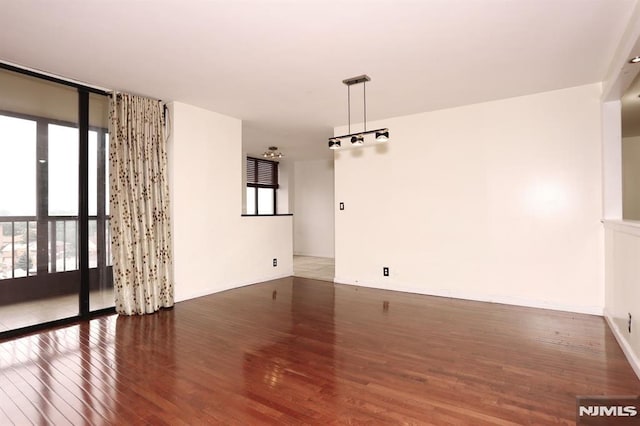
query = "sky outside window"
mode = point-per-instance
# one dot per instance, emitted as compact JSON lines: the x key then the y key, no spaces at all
{"x":17,"y":167}
{"x":63,"y":170}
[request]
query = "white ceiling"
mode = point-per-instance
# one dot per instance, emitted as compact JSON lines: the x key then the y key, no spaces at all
{"x":278,"y":65}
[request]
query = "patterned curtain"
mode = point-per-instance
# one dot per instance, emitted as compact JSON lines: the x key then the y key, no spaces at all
{"x":139,"y":206}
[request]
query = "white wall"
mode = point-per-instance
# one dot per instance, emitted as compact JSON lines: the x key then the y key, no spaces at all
{"x":243,"y":183}
{"x":612,"y":160}
{"x":631,"y":178}
{"x":499,"y":201}
{"x":622,"y":238}
{"x":214,"y":247}
{"x":283,"y":198}
{"x":622,"y":290}
{"x":313,"y":208}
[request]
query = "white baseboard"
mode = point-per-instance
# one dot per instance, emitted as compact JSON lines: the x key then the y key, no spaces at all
{"x":624,"y":344}
{"x":507,"y":300}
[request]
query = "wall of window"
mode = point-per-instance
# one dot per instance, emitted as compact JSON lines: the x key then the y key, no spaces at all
{"x":262,"y":186}
{"x":54,"y":251}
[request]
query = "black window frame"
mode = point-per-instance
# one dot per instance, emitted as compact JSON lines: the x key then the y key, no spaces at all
{"x":43,"y":218}
{"x":84,"y":311}
{"x":257,"y":180}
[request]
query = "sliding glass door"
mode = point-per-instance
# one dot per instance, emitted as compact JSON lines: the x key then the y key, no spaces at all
{"x":100,"y":271}
{"x":49,"y":154}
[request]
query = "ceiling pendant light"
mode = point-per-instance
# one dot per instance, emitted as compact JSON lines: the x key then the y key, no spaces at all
{"x":357,"y":139}
{"x":273,"y":153}
{"x":382,"y":136}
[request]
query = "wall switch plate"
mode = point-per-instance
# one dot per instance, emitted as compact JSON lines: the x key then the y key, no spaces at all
{"x":341,"y":206}
{"x":275,"y":262}
{"x":385,"y":271}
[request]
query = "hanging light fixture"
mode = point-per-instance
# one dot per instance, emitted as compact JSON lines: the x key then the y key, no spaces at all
{"x":382,"y":136}
{"x":357,"y":139}
{"x":273,"y":153}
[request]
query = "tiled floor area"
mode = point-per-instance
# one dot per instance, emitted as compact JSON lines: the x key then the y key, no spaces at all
{"x":319,"y":268}
{"x":30,"y":313}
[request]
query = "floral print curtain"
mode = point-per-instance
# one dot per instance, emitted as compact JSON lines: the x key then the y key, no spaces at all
{"x":139,"y":205}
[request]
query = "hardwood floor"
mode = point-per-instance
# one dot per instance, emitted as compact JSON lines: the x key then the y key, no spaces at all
{"x":295,"y":351}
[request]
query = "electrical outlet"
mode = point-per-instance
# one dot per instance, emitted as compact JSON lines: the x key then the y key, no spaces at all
{"x":385,"y":271}
{"x":629,"y":322}
{"x":275,"y":262}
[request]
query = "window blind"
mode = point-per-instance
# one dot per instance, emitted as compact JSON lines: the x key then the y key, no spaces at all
{"x":262,"y":173}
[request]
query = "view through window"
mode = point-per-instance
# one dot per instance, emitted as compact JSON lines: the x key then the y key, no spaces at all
{"x":40,"y":175}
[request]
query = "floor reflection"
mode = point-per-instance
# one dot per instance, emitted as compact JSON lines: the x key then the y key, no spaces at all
{"x":300,"y":361}
{"x":59,"y":377}
{"x":145,"y":353}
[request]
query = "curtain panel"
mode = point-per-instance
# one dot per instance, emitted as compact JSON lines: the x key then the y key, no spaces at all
{"x":139,"y":206}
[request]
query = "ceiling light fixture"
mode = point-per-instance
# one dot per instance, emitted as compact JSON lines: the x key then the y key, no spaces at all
{"x":382,"y":136}
{"x":334,"y":143}
{"x":634,"y":60}
{"x":357,"y":139}
{"x":273,"y":153}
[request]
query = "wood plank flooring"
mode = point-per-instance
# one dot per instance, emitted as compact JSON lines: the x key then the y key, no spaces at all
{"x":299,"y":351}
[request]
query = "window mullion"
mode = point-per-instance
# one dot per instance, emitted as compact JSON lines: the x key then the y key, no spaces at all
{"x":42,"y":197}
{"x":275,"y":202}
{"x":101,"y":203}
{"x":255,"y":195}
{"x":83,"y":199}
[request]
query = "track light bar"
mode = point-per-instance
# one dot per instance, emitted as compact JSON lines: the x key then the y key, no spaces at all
{"x":357,"y":139}
{"x":368,"y":132}
{"x":382,"y":135}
